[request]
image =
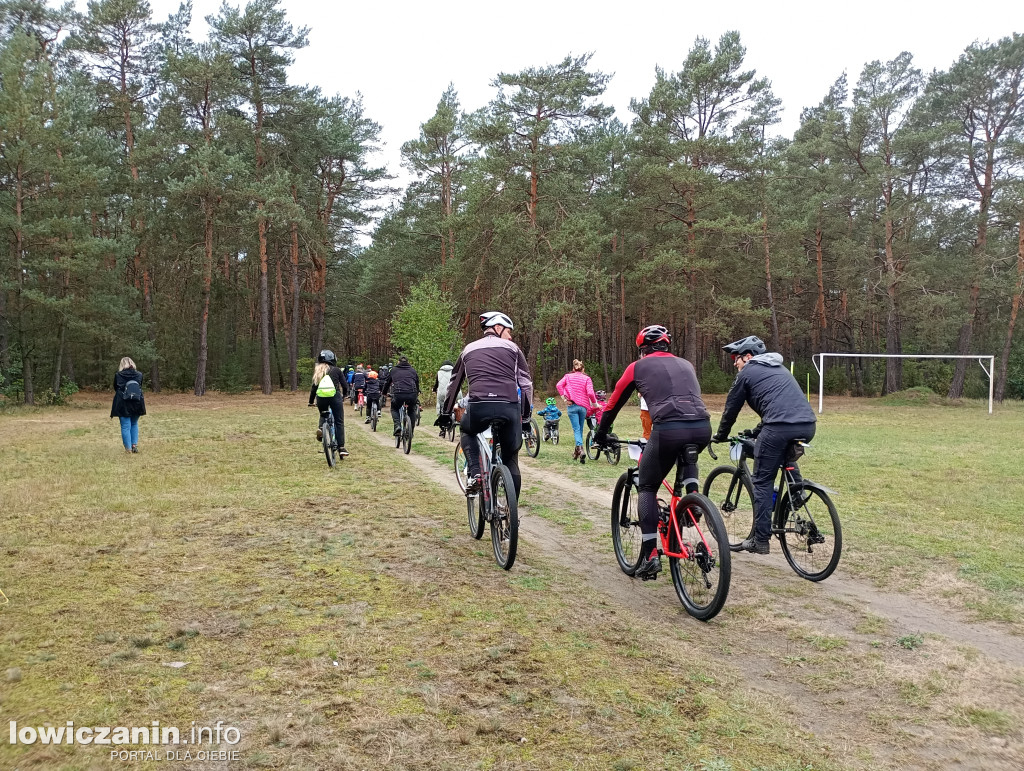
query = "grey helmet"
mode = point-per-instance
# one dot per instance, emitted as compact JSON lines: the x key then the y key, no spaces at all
{"x":752,"y":344}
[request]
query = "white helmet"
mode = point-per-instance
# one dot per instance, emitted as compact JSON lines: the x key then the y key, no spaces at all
{"x":491,"y":318}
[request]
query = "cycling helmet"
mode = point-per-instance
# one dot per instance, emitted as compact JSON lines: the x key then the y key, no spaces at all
{"x":490,"y":318}
{"x":752,"y":344}
{"x":372,"y":374}
{"x":327,"y":357}
{"x":601,"y":396}
{"x":550,"y":401}
{"x":653,"y":334}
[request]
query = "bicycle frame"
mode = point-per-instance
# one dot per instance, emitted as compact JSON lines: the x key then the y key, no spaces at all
{"x":787,"y":481}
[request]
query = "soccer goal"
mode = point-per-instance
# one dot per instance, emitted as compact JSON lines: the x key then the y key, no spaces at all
{"x":818,"y":360}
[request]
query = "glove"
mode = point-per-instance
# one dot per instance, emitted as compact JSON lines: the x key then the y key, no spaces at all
{"x":755,"y":431}
{"x":444,"y":421}
{"x":600,"y":439}
{"x":720,"y":436}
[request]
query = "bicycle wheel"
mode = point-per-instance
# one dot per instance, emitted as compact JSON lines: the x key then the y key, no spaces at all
{"x":374,"y":416}
{"x":505,"y":522}
{"x":419,"y":414}
{"x":702,"y":579}
{"x":531,"y":439}
{"x":812,"y":538}
{"x":406,"y":434}
{"x":626,"y":535}
{"x":401,"y":422}
{"x":592,"y":452}
{"x":734,"y":498}
{"x":614,"y":452}
{"x":554,"y":436}
{"x":359,"y":406}
{"x":461,"y":467}
{"x":328,"y":430}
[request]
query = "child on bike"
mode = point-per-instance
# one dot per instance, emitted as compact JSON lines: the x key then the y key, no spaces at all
{"x":372,"y":393}
{"x":328,"y":390}
{"x":551,"y":414}
{"x":358,"y":383}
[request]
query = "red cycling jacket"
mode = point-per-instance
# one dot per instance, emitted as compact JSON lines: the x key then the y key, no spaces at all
{"x":667,"y":383}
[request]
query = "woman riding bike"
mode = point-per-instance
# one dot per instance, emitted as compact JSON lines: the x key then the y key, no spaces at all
{"x":329,"y":390}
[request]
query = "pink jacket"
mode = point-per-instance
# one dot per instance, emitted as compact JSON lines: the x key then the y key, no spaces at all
{"x":578,"y":388}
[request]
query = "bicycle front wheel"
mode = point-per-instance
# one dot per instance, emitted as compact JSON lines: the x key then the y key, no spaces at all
{"x":475,"y":514}
{"x":702,"y":578}
{"x":592,"y":452}
{"x":613,"y":454}
{"x":328,"y":430}
{"x":531,"y":439}
{"x":406,"y":434}
{"x":505,"y":522}
{"x":626,"y":535}
{"x":812,"y":538}
{"x":734,"y":498}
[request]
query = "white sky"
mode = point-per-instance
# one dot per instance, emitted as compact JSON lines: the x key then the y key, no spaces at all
{"x":401,"y":55}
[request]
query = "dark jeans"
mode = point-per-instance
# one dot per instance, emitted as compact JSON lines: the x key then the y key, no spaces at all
{"x":397,"y":400}
{"x":769,"y":453}
{"x":336,"y":404}
{"x":664,"y":450}
{"x":509,"y":435}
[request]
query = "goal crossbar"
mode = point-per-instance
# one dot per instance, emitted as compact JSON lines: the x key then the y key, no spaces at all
{"x":818,"y":360}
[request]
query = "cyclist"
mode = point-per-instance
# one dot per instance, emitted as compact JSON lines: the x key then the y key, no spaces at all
{"x":358,"y":383}
{"x":773,"y":393}
{"x":669,"y":386}
{"x":497,"y":373}
{"x":403,"y":383}
{"x":372,"y":393}
{"x":441,"y":381}
{"x":329,"y":390}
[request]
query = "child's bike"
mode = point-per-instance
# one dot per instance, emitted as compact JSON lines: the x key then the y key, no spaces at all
{"x":531,"y":438}
{"x":691,"y":534}
{"x":551,"y":431}
{"x":360,"y":403}
{"x":611,"y":452}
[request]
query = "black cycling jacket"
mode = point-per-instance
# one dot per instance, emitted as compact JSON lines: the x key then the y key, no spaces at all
{"x":495,"y":369}
{"x":372,"y":387}
{"x":770,"y":390}
{"x":668,"y":384}
{"x":404,"y":380}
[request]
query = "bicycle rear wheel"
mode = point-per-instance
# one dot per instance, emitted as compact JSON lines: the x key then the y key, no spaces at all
{"x":505,"y":522}
{"x":554,"y":436}
{"x":359,"y":406}
{"x":812,"y":538}
{"x":401,"y":423}
{"x":328,"y":440}
{"x":701,"y":580}
{"x":734,"y":498}
{"x":613,"y":454}
{"x":626,"y":535}
{"x":531,"y":439}
{"x":592,"y":452}
{"x":406,"y":434}
{"x":461,"y":467}
{"x":374,"y":416}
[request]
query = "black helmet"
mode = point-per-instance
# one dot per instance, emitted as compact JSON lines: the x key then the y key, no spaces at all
{"x":752,"y":344}
{"x":403,"y":359}
{"x":327,"y":357}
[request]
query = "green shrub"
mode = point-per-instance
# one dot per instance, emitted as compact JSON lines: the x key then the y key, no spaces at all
{"x":713,"y":380}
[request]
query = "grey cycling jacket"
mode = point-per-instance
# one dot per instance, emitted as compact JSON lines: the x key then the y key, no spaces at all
{"x":494,"y":368}
{"x":770,"y":390}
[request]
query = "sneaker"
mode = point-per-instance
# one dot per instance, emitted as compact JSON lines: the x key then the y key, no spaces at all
{"x":398,"y":431}
{"x":474,"y":486}
{"x":648,"y":569}
{"x":366,"y":421}
{"x":342,"y":452}
{"x":757,"y":547}
{"x":319,"y":434}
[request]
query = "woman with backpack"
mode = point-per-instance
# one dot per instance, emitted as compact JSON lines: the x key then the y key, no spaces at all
{"x":129,"y":405}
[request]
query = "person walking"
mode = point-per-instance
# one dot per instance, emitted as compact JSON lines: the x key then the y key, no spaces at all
{"x":444,"y":377}
{"x":577,"y":389}
{"x":129,"y":404}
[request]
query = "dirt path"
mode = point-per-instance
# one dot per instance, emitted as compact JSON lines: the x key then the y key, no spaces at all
{"x":774,"y":614}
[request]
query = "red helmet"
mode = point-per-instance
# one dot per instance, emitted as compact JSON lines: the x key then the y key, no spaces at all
{"x":655,"y":333}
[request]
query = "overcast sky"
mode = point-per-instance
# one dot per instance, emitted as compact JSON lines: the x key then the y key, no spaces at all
{"x":402,"y":55}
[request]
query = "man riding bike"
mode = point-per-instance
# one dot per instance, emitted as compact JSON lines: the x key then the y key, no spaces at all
{"x":403,"y":383}
{"x":497,"y":373}
{"x":670,"y":387}
{"x":773,"y":393}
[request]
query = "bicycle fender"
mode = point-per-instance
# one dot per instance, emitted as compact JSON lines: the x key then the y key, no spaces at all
{"x":822,"y":488}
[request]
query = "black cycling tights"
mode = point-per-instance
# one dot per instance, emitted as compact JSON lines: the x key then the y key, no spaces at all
{"x":335,"y":404}
{"x":509,"y":435}
{"x":663,"y":450}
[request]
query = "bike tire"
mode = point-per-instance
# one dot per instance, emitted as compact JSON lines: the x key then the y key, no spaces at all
{"x":461,"y":467}
{"x":406,"y":434}
{"x":374,"y":416}
{"x":734,"y":503}
{"x":815,"y":517}
{"x":691,"y":577}
{"x":626,"y":535}
{"x":359,"y":408}
{"x":505,"y":522}
{"x":554,"y":436}
{"x":613,"y":454}
{"x":419,"y":415}
{"x":592,"y":452}
{"x":531,"y":439}
{"x":328,"y":444}
{"x":475,"y":515}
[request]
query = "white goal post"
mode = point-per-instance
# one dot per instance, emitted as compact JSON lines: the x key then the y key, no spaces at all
{"x":818,"y":360}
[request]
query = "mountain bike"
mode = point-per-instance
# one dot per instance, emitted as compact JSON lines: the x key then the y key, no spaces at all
{"x":328,"y":437}
{"x":531,"y":438}
{"x":809,"y":532}
{"x":691,"y":534}
{"x":404,"y":438}
{"x":611,"y":452}
{"x":496,"y":502}
{"x":551,"y":431}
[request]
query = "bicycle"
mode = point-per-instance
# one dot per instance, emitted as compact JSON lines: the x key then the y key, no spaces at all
{"x":810,"y":534}
{"x":551,"y":431}
{"x":611,"y":453}
{"x":404,"y":438}
{"x":374,"y":416}
{"x":360,"y":403}
{"x":531,"y":438}
{"x":496,"y":502}
{"x":691,"y":534}
{"x":328,"y":437}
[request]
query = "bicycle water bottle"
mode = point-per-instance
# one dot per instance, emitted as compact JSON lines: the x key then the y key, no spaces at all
{"x":775,"y":493}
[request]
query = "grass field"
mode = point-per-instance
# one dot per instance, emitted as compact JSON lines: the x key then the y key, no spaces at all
{"x":346,"y":620}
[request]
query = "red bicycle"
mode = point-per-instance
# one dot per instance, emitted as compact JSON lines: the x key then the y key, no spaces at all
{"x":691,"y":534}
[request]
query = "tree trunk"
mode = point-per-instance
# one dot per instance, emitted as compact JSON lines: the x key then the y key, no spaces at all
{"x":1004,"y":360}
{"x":59,"y":356}
{"x":822,"y":318}
{"x":5,"y":344}
{"x":893,"y":343}
{"x":293,"y":336}
{"x":776,"y":340}
{"x":265,"y":381}
{"x":601,"y":337}
{"x":147,"y":307}
{"x":204,"y":318}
